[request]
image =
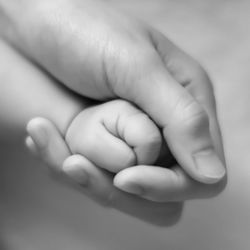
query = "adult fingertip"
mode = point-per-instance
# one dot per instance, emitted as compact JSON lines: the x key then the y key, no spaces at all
{"x":75,"y":171}
{"x":209,"y":166}
{"x":125,"y":182}
{"x":29,"y":143}
{"x":35,"y":122}
{"x":37,"y":132}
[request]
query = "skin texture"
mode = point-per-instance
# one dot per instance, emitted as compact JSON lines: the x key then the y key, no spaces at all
{"x":50,"y":144}
{"x":114,"y":136}
{"x":27,"y":92}
{"x":88,"y":47}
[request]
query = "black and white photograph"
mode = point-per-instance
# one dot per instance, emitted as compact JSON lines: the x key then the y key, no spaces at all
{"x":124,"y":124}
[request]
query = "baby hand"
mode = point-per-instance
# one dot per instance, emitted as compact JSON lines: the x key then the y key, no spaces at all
{"x":114,"y":136}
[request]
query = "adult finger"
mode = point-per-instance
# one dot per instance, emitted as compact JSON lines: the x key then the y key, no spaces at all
{"x":174,"y":184}
{"x":97,"y":184}
{"x":46,"y":141}
{"x":184,"y":121}
{"x":141,"y":79}
{"x":192,"y":77}
{"x":163,"y":184}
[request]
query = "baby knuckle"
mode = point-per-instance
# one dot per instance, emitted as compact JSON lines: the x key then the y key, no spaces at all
{"x":136,"y":117}
{"x":154,"y":140}
{"x":146,"y":127}
{"x":155,"y":137}
{"x":129,"y":161}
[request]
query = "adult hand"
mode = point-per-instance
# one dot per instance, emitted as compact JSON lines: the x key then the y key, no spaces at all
{"x":59,"y":106}
{"x":99,"y":183}
{"x":102,"y":54}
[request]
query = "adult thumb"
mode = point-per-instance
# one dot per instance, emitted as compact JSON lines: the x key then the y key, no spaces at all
{"x":184,"y":121}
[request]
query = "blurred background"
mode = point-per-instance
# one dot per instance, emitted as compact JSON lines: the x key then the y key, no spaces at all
{"x":37,"y":213}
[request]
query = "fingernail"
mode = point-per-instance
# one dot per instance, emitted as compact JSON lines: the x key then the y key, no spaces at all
{"x":209,"y":166}
{"x":38,"y":135}
{"x":132,"y":188}
{"x":76,"y":173}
